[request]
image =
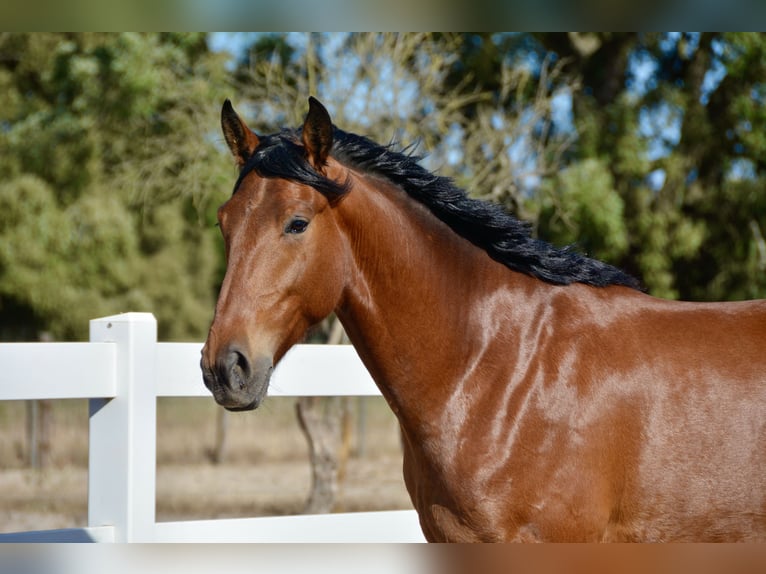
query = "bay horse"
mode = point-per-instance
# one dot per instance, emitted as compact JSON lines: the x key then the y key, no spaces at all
{"x":542,"y":396}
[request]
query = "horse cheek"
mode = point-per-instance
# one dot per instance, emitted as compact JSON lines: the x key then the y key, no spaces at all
{"x":323,"y":287}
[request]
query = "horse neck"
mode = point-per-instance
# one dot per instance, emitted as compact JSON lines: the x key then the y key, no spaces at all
{"x":410,"y":304}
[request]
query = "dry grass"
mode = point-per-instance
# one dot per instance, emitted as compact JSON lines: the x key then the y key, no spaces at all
{"x":265,"y":469}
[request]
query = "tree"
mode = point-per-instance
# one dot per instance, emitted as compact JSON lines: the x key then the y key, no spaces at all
{"x":665,"y":176}
{"x":110,"y":180}
{"x":684,"y":147}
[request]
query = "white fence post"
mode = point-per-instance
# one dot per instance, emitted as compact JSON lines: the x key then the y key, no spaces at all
{"x":122,"y":463}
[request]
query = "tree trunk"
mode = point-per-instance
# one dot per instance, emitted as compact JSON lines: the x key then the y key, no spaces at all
{"x":318,"y":418}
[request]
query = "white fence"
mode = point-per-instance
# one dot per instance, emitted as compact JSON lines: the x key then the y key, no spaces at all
{"x":122,"y":370}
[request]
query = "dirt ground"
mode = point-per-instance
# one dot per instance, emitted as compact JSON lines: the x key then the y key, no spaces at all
{"x":264,"y":471}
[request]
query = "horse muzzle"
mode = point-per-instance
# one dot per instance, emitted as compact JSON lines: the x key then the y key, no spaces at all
{"x":237,"y":382}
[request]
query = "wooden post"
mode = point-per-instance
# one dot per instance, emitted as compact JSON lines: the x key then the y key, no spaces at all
{"x":33,"y":455}
{"x":39,"y":425}
{"x":39,"y":431}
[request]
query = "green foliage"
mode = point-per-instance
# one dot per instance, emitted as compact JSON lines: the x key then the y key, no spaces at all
{"x":581,"y":206}
{"x":661,"y":126}
{"x":64,"y":264}
{"x":110,"y":163}
{"x":696,"y":122}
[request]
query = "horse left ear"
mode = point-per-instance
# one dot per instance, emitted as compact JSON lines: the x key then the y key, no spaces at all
{"x":317,"y":134}
{"x":241,"y":140}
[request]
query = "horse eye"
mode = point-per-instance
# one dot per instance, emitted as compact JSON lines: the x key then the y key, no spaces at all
{"x":297,"y":226}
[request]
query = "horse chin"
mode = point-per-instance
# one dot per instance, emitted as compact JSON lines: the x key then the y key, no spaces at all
{"x":250,"y":407}
{"x":246,"y":399}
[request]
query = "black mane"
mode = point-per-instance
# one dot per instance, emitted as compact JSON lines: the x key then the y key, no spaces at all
{"x":487,"y":225}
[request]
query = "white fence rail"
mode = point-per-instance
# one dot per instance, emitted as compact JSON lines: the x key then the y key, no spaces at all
{"x":122,"y":371}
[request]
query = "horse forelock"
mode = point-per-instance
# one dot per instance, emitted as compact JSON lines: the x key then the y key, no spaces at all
{"x":281,"y":156}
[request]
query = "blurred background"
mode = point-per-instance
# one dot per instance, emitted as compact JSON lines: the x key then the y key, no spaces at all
{"x":647,"y":150}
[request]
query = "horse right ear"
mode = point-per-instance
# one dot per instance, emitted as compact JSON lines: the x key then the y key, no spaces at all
{"x":241,"y":140}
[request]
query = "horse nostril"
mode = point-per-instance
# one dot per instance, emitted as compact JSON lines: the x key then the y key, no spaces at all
{"x":238,"y":369}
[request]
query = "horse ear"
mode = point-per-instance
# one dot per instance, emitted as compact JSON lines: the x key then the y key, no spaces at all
{"x":240,"y":139}
{"x":317,"y":134}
